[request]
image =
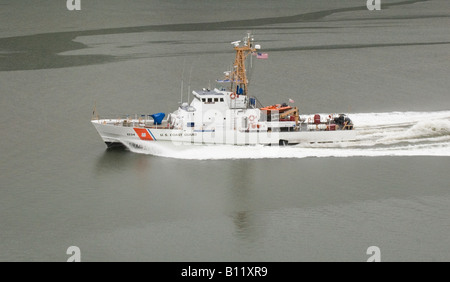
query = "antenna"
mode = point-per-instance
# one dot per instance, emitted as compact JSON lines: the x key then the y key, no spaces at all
{"x":189,"y":86}
{"x":182,"y":78}
{"x":94,"y":110}
{"x":236,"y":43}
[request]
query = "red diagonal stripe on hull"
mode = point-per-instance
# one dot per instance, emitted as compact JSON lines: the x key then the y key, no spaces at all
{"x":143,"y":134}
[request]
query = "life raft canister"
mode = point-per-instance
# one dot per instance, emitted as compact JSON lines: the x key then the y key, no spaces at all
{"x":316,"y":119}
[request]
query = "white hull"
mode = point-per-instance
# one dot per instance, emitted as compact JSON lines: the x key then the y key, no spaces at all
{"x":112,"y":134}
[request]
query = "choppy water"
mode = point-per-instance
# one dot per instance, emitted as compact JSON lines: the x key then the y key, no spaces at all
{"x":60,"y":187}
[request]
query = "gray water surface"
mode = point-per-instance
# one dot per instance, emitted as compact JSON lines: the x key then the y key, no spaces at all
{"x":60,"y":187}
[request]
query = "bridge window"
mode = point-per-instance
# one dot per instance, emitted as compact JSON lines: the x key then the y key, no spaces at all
{"x":210,"y":100}
{"x":216,"y":99}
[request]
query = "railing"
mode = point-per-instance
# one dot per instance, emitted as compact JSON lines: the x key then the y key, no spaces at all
{"x":127,"y":121}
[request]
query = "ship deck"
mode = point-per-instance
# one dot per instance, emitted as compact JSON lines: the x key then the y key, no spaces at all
{"x":135,"y":123}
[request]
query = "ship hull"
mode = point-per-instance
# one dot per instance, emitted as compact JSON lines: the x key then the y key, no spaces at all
{"x":114,"y":135}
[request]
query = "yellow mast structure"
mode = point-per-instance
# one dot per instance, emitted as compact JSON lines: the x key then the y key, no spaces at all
{"x":238,"y":77}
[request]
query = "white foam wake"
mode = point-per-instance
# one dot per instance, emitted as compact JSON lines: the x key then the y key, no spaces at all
{"x":379,"y":134}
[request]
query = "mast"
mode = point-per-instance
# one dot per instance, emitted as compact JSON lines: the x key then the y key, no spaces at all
{"x":238,"y":78}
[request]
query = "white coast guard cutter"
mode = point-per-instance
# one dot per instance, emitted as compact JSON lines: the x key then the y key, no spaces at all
{"x":227,"y":116}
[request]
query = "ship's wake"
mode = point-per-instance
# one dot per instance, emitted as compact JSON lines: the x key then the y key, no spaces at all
{"x":379,"y":134}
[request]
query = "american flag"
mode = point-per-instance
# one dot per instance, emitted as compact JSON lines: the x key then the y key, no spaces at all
{"x":262,"y":56}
